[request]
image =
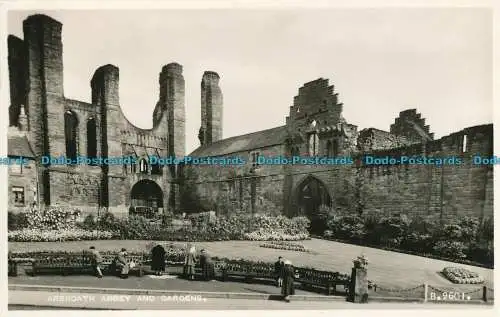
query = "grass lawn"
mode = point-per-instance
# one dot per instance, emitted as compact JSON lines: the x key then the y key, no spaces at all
{"x":387,"y":269}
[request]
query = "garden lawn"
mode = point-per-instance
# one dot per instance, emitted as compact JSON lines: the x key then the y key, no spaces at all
{"x":386,"y":268}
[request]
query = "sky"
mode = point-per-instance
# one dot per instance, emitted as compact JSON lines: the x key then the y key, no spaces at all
{"x":381,"y":61}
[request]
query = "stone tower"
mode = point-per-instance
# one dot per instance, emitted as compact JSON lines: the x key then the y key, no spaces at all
{"x":45,"y":95}
{"x":211,"y":109}
{"x":172,"y":87}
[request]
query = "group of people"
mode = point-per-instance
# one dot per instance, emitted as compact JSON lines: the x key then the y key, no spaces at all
{"x":204,"y":260}
{"x":158,"y":262}
{"x":284,"y":270}
{"x":285,"y":276}
{"x":120,"y":263}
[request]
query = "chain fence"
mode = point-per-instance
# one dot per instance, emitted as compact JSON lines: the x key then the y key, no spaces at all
{"x":411,"y":292}
{"x":437,"y":293}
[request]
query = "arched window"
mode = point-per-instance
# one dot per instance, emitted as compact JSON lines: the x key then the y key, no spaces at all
{"x":313,"y":144}
{"x":329,"y":149}
{"x":71,"y":134}
{"x":143,"y":166}
{"x":335,"y":148}
{"x":91,"y":139}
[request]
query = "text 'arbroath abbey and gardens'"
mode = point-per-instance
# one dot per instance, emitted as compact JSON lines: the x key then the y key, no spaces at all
{"x":45,"y":123}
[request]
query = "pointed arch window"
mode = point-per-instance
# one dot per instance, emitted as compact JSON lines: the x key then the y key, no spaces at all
{"x":143,"y":166}
{"x":335,"y":147}
{"x":329,"y":149}
{"x":71,"y":134}
{"x":156,"y":169}
{"x":313,"y":144}
{"x":91,"y":139}
{"x":464,"y":144}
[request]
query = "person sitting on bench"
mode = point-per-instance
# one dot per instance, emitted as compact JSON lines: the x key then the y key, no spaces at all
{"x":121,"y":264}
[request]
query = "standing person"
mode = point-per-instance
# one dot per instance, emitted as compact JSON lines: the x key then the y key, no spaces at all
{"x":203,"y":264}
{"x":96,"y":261}
{"x":190,"y":262}
{"x":278,"y":271}
{"x":206,"y":265}
{"x":288,"y":288}
{"x":121,"y":263}
{"x":158,"y":254}
{"x":210,"y":268}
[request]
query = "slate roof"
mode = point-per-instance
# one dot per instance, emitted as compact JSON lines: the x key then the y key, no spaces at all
{"x":246,"y":142}
{"x":19,"y":146}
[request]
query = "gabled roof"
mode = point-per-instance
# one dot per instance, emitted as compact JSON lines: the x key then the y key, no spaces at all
{"x":19,"y":146}
{"x":246,"y":142}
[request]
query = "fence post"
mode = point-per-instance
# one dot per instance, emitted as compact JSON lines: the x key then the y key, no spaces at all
{"x":485,"y":294}
{"x":426,"y":292}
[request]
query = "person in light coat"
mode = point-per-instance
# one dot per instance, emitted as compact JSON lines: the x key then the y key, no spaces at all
{"x":190,"y":262}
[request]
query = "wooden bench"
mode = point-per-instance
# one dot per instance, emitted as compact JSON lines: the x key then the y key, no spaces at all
{"x":107,"y":264}
{"x":321,"y":279}
{"x":249,"y":272}
{"x":60,"y":263}
{"x":66,"y":264}
{"x":13,"y":264}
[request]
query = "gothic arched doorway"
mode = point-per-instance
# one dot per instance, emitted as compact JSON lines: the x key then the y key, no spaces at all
{"x":311,"y":195}
{"x":146,"y":199}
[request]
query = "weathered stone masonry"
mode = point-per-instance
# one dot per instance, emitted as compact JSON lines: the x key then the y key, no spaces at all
{"x":315,"y":126}
{"x":45,"y":123}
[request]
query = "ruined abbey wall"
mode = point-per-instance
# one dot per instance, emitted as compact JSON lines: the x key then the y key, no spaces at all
{"x":100,"y":128}
{"x":444,"y":192}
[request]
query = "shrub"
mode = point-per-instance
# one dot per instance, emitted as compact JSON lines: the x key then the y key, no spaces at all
{"x":451,"y":249}
{"x":464,"y":230}
{"x":108,"y":222}
{"x":52,"y":218}
{"x":418,"y":242}
{"x":89,"y":223}
{"x":392,"y":230}
{"x":481,"y":252}
{"x":349,"y":227}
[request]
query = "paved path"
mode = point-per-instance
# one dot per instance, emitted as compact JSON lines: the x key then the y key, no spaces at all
{"x":147,"y":282}
{"x":19,"y":298}
{"x":387,"y":269}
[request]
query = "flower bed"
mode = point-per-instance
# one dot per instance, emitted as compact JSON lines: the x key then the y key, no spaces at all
{"x":274,"y":235}
{"x":462,"y":276}
{"x":39,"y":235}
{"x":240,"y":227}
{"x":288,"y":246}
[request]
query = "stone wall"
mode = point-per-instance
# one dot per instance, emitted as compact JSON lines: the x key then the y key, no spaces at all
{"x":37,"y":61}
{"x":444,"y":191}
